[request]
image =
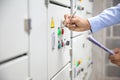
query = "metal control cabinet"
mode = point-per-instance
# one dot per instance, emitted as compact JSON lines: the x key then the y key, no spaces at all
{"x":13,"y":37}
{"x":58,"y":40}
{"x":45,"y":55}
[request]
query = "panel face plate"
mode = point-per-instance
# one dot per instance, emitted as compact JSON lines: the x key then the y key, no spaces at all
{"x":15,"y":70}
{"x":82,"y":54}
{"x":83,"y":9}
{"x":82,"y":60}
{"x":13,"y":38}
{"x":58,"y":37}
{"x":38,"y":40}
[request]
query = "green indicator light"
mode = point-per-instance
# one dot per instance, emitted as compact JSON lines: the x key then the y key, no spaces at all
{"x":76,"y":64}
{"x":59,"y":32}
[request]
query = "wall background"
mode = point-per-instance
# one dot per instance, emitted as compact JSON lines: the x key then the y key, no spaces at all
{"x":102,"y":68}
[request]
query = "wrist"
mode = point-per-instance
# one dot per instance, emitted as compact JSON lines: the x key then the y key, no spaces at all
{"x":88,"y":26}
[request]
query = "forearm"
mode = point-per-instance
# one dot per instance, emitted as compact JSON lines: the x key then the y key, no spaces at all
{"x":107,"y":18}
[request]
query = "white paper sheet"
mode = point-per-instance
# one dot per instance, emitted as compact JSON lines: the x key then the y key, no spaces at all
{"x":90,"y":38}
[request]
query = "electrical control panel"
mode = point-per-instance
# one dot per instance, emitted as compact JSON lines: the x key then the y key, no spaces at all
{"x":13,"y":37}
{"x":58,"y":39}
{"x":50,"y":48}
{"x":81,"y":47}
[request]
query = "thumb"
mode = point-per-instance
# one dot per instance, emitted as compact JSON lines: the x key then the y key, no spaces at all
{"x":116,"y":50}
{"x":74,"y":20}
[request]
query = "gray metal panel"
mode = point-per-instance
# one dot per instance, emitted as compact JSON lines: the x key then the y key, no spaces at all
{"x":57,"y":58}
{"x":13,"y":38}
{"x":81,"y":53}
{"x":38,"y":40}
{"x":15,"y":70}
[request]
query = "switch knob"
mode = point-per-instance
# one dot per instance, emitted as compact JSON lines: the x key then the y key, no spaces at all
{"x":62,"y":44}
{"x":82,"y":69}
{"x":62,"y":31}
{"x":80,"y":61}
{"x":59,"y":45}
{"x":67,"y":43}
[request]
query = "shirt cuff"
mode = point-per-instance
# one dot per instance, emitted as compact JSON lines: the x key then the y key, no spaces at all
{"x":95,"y":24}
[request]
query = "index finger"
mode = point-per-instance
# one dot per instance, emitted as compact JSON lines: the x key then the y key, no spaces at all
{"x":67,"y":16}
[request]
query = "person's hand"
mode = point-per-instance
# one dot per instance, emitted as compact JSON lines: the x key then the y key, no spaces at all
{"x":76,"y":23}
{"x":115,"y":58}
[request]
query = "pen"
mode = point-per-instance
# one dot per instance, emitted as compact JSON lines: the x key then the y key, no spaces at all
{"x":73,"y":15}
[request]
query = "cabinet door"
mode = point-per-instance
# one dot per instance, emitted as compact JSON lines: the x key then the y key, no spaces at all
{"x":15,"y":70}
{"x":13,"y":37}
{"x":62,"y":2}
{"x":58,"y":55}
{"x":82,"y":58}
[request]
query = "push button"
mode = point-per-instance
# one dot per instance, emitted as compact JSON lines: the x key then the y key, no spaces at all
{"x":59,"y":45}
{"x":62,"y":31}
{"x":59,"y":31}
{"x":80,"y":61}
{"x":76,"y":64}
{"x":62,"y":43}
{"x":67,"y":43}
{"x":82,"y":69}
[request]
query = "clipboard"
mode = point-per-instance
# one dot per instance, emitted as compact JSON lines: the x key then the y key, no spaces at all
{"x":91,"y":39}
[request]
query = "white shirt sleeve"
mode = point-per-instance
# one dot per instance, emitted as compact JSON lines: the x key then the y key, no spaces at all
{"x":107,"y":18}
